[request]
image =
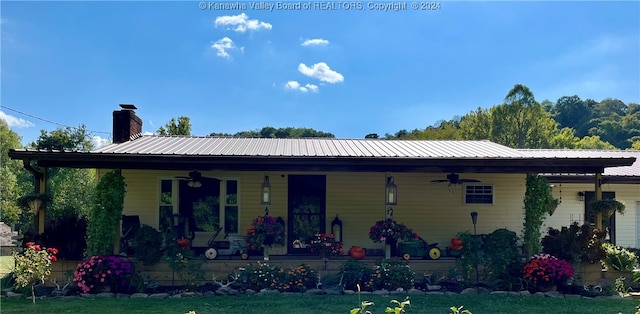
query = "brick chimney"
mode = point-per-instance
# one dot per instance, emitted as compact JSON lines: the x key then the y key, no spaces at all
{"x":126,"y":125}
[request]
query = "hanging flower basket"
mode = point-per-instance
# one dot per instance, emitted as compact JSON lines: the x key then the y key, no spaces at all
{"x":265,"y":230}
{"x":607,"y":207}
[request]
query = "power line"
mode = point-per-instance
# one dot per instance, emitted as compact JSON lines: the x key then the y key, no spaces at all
{"x":49,"y":121}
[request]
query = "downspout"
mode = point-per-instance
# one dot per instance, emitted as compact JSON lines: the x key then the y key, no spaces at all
{"x":40,"y":187}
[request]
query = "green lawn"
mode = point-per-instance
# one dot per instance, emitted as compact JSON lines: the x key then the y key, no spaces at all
{"x":6,"y":263}
{"x":320,"y":304}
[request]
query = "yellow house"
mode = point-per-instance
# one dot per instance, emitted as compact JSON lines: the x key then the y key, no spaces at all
{"x":209,"y":181}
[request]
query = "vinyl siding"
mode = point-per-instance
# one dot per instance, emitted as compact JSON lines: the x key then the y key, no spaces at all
{"x":436,"y":211}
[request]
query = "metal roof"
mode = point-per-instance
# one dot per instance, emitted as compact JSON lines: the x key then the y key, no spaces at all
{"x":315,"y":154}
{"x":309,"y":147}
{"x":633,"y":170}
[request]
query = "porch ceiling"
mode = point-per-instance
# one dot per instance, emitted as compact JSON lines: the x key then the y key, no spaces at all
{"x":67,"y":159}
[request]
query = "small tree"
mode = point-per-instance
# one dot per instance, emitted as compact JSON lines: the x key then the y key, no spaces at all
{"x":33,"y":266}
{"x":104,"y":217}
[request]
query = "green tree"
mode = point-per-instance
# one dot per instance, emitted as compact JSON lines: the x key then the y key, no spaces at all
{"x":521,"y":122}
{"x":14,"y":180}
{"x":71,"y":190}
{"x":572,"y":112}
{"x":65,"y":139}
{"x":271,"y":132}
{"x":476,"y":125}
{"x":593,"y":142}
{"x":181,"y":126}
{"x":566,"y":139}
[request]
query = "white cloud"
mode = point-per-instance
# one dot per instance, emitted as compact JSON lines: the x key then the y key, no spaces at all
{"x":99,"y":141}
{"x":241,"y":23}
{"x":294,"y":85}
{"x":15,"y":122}
{"x":315,"y":42}
{"x":223,"y":45}
{"x":322,"y":72}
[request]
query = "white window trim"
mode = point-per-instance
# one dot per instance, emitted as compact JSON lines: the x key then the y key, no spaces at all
{"x":464,"y":194}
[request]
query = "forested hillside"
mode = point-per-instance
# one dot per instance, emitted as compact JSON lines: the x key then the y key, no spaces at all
{"x":522,"y":122}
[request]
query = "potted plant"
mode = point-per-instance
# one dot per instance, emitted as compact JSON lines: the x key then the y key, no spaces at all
{"x":263,"y":232}
{"x":546,"y":271}
{"x":607,"y":207}
{"x":389,"y":231}
{"x":325,"y":245}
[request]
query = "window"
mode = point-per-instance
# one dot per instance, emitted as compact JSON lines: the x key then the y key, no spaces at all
{"x":478,"y":194}
{"x":214,"y":204}
{"x":166,"y":205}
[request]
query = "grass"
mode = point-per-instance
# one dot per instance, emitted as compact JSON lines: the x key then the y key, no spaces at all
{"x":6,"y":263}
{"x":320,"y":304}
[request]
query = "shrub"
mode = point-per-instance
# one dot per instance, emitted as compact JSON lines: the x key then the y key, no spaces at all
{"x":391,"y":275}
{"x":502,"y":264}
{"x":355,"y":272}
{"x":260,"y":276}
{"x":618,"y":258}
{"x":472,"y":252}
{"x":575,"y":243}
{"x":99,"y":272}
{"x":147,"y":243}
{"x":296,"y":279}
{"x":33,"y":266}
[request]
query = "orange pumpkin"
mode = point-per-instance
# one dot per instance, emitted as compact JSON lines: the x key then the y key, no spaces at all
{"x":356,"y":252}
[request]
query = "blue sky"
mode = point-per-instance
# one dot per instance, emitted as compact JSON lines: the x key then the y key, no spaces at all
{"x":348,"y":72}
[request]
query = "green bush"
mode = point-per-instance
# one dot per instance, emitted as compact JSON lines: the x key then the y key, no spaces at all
{"x":355,"y":272}
{"x":147,"y":243}
{"x":391,"y":275}
{"x":265,"y":276}
{"x":575,"y":243}
{"x":503,"y":259}
{"x":618,"y":258}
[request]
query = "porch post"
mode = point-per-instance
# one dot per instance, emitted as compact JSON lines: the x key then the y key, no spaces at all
{"x":41,"y":182}
{"x":598,"y":190}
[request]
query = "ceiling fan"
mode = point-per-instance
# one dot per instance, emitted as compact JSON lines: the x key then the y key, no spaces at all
{"x":194,"y":179}
{"x":454,"y":178}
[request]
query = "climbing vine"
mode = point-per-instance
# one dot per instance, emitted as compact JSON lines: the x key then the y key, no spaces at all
{"x":537,"y":200}
{"x":104,"y":217}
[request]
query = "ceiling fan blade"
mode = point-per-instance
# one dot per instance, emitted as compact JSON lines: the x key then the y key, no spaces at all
{"x":440,"y":181}
{"x":467,"y":180}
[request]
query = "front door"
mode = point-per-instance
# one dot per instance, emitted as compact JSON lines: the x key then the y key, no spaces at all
{"x":608,"y":224}
{"x":307,"y":200}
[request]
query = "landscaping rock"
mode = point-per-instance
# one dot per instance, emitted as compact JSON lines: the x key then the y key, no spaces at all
{"x":159,"y":295}
{"x":139,"y":295}
{"x":414,"y":291}
{"x":381,"y":292}
{"x":439,"y":293}
{"x":250,"y":291}
{"x":267,"y":291}
{"x":176,"y":296}
{"x":105,"y":295}
{"x":314,"y":291}
{"x":553,"y":294}
{"x":434,"y":287}
{"x":572,"y":296}
{"x":524,"y":292}
{"x":11,"y":294}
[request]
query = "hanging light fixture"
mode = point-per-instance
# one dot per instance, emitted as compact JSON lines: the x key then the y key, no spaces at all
{"x":266,"y":192}
{"x":391,"y":195}
{"x":336,"y":229}
{"x":581,"y":196}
